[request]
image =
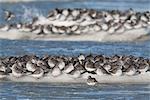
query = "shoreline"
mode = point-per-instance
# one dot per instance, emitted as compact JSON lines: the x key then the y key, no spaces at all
{"x":129,"y":36}
{"x":137,"y":79}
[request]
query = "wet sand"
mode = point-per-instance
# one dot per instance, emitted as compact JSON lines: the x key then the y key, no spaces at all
{"x":64,"y":78}
{"x":130,"y":35}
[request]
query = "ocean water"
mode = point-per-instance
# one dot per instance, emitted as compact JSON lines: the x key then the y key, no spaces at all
{"x":47,"y":91}
{"x":40,"y":48}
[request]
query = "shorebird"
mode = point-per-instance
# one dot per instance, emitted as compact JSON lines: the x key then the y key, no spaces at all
{"x":131,"y":69}
{"x":89,"y":66}
{"x":120,"y":29}
{"x":47,"y":29}
{"x":61,"y":63}
{"x":64,"y":15}
{"x":107,"y":67}
{"x":56,"y":71}
{"x":81,"y":57}
{"x":62,"y":29}
{"x":42,"y":64}
{"x":128,"y":25}
{"x":34,"y":20}
{"x":75,"y":12}
{"x":17,"y":70}
{"x":9,"y":15}
{"x":52,"y":62}
{"x":26,"y":28}
{"x":96,"y":27}
{"x":55,"y":29}
{"x":99,"y":69}
{"x":52,"y":14}
{"x":38,"y":73}
{"x":74,"y":28}
{"x":2,"y":66}
{"x":3,"y":74}
{"x":100,"y":59}
{"x":75,"y":73}
{"x":143,"y":66}
{"x":38,"y":29}
{"x":143,"y":18}
{"x":111,"y":30}
{"x":68,"y":68}
{"x":116,"y":70}
{"x":138,"y":25}
{"x":6,"y":27}
{"x":104,"y":26}
{"x":80,"y":67}
{"x":91,"y":81}
{"x":31,"y":66}
{"x":89,"y":57}
{"x":19,"y":25}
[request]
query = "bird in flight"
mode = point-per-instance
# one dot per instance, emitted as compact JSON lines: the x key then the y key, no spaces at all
{"x":9,"y":15}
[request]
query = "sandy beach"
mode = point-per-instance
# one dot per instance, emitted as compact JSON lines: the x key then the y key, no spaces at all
{"x":131,"y":35}
{"x":64,"y":78}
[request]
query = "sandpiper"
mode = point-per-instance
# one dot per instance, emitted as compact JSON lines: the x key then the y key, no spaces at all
{"x":26,"y":28}
{"x":37,"y":29}
{"x":80,"y":66}
{"x":130,"y":70}
{"x":3,"y":74}
{"x":17,"y":70}
{"x":75,"y":73}
{"x":99,"y":69}
{"x":116,"y":71}
{"x":68,"y":68}
{"x":81,"y":57}
{"x":61,"y":63}
{"x":38,"y":73}
{"x":6,"y":27}
{"x":143,"y":66}
{"x":9,"y":15}
{"x":104,"y":27}
{"x":91,"y":81}
{"x":89,"y":66}
{"x":2,"y":67}
{"x":56,"y":71}
{"x":107,"y":67}
{"x":47,"y":29}
{"x":52,"y":62}
{"x":31,"y":66}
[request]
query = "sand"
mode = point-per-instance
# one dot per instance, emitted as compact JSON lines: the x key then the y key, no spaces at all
{"x":130,"y":35}
{"x":64,"y":78}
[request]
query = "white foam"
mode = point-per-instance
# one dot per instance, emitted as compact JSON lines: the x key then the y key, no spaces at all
{"x":64,"y":78}
{"x":29,"y":13}
{"x":131,"y":35}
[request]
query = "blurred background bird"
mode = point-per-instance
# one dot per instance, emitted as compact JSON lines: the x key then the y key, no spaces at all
{"x":8,"y":15}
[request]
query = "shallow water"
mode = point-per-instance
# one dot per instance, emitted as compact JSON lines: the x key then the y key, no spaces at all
{"x":21,"y":47}
{"x":44,"y":91}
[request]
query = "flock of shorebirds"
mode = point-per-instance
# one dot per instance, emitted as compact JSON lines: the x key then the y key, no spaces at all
{"x":81,"y":66}
{"x":79,"y":21}
{"x":75,"y":22}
